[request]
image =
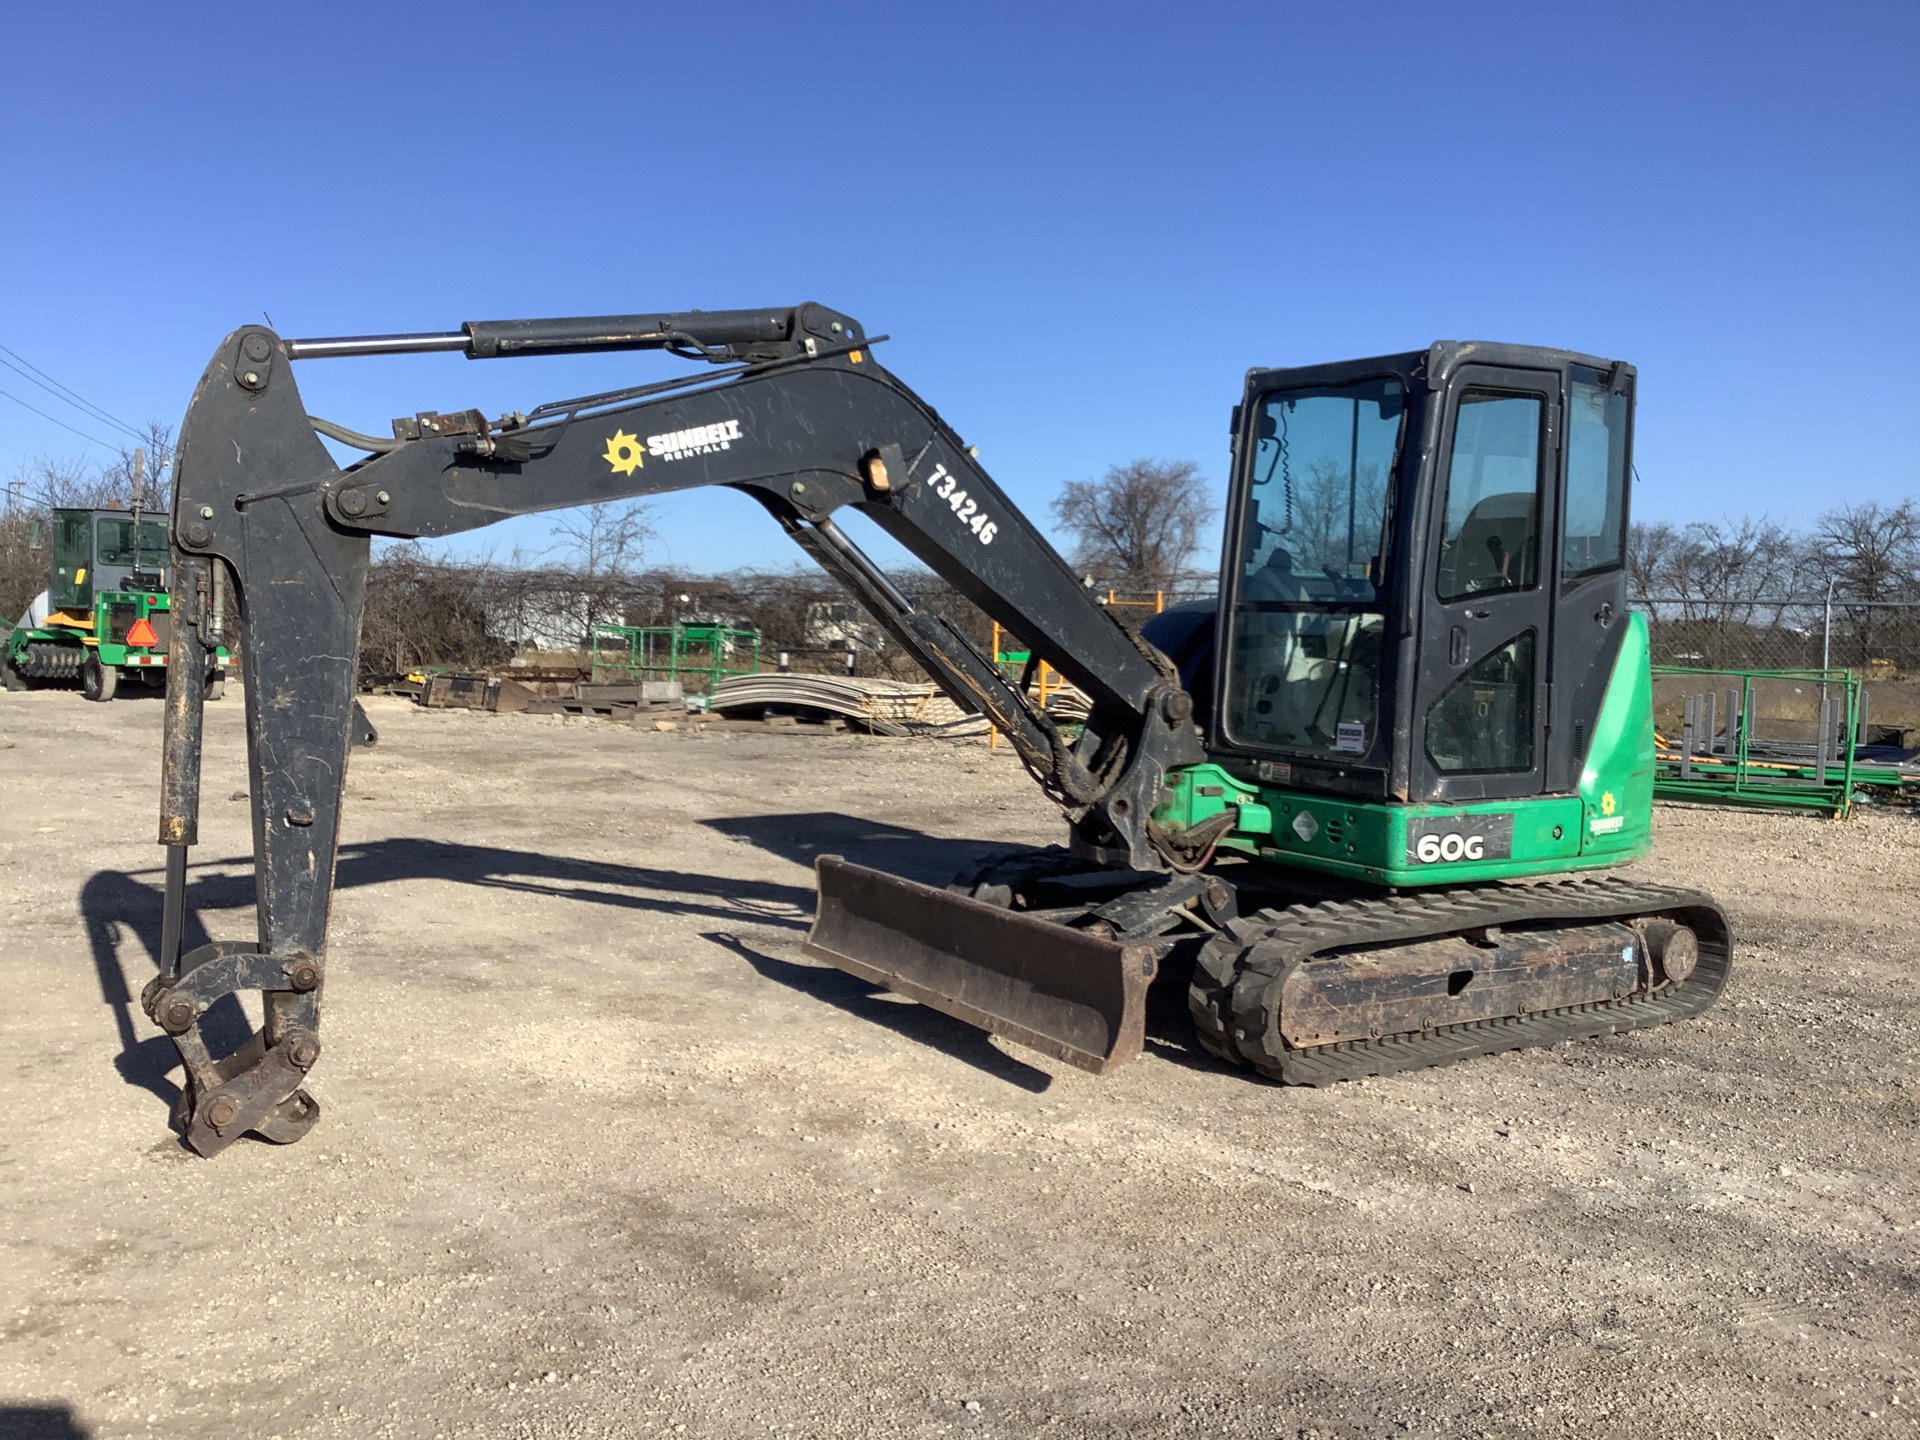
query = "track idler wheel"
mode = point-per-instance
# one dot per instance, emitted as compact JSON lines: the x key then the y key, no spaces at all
{"x":1216,"y":970}
{"x":1672,"y":950}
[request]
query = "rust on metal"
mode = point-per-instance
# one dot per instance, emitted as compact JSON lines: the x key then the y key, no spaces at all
{"x":1075,"y":996}
{"x":1457,"y":979}
{"x":1672,"y":950}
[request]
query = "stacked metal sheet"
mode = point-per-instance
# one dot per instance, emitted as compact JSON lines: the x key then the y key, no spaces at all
{"x":884,"y":707}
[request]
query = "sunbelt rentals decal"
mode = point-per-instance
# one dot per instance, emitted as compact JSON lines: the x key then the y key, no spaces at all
{"x":700,"y":440}
{"x":628,"y":453}
{"x":1606,"y":822}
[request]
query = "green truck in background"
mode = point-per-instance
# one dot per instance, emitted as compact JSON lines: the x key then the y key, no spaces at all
{"x":105,"y":614}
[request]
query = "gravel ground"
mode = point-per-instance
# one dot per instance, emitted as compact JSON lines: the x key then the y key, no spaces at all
{"x":603,"y":1154}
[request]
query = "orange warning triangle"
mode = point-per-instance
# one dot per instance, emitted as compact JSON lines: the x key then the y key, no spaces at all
{"x":142,"y":633}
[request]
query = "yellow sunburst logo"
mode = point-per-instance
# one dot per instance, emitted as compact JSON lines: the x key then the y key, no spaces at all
{"x":1607,"y":807}
{"x":625,"y":453}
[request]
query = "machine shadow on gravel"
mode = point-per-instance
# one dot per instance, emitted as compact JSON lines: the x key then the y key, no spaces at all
{"x":111,"y":899}
{"x":865,"y":1001}
{"x":914,"y":854}
{"x":41,"y":1422}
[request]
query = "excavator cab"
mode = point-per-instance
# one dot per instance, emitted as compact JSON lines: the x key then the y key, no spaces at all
{"x":1423,"y":608}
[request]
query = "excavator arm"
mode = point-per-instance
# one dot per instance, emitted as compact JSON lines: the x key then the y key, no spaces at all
{"x":800,"y":417}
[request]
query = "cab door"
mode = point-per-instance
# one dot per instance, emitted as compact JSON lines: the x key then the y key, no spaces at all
{"x":1480,"y":709}
{"x":1590,"y":615}
{"x":72,"y":589}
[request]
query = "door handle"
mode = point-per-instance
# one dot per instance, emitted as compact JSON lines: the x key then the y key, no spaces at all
{"x":1604,"y":614}
{"x":1457,"y":645}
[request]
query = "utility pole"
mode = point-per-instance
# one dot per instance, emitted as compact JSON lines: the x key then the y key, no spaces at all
{"x":139,"y":499}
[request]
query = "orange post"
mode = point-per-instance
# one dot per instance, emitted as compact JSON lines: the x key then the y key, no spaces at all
{"x":993,"y":731}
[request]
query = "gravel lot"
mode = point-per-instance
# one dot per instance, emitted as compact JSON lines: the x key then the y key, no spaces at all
{"x":603,"y":1154}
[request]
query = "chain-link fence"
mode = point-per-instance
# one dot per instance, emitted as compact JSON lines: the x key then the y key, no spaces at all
{"x":1872,"y":637}
{"x":1877,"y":641}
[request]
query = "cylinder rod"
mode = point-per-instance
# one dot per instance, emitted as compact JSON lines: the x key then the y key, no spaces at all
{"x":375,"y":345}
{"x":180,"y":748}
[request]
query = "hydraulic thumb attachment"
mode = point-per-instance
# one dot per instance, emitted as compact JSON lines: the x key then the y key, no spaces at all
{"x":257,"y":1088}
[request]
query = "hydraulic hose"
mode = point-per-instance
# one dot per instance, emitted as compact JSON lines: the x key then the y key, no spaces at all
{"x":354,"y":437}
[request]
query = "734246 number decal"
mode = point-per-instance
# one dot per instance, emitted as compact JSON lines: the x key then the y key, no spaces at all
{"x":968,"y":510}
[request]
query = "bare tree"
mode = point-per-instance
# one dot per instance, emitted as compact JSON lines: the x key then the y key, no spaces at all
{"x":1139,"y":523}
{"x":150,"y":462}
{"x":1870,"y":553}
{"x":1867,"y":552}
{"x":605,"y":539}
{"x":1724,"y":588}
{"x":1650,"y":559}
{"x":422,"y":611}
{"x":27,"y":502}
{"x":605,"y":544}
{"x":1741,"y":563}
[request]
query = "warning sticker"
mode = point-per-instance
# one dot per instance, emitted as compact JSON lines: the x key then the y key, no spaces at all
{"x":1350,"y":736}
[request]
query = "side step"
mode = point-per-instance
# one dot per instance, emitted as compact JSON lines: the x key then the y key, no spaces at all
{"x":1063,"y":992}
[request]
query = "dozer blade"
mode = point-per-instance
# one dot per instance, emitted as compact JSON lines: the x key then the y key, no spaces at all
{"x":1065,"y":993}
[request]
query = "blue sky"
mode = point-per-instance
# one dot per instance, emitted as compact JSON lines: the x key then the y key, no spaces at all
{"x":1080,"y":223}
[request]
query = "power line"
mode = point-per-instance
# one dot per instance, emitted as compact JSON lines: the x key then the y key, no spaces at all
{"x":61,"y":392}
{"x":61,"y":423}
{"x":65,"y":393}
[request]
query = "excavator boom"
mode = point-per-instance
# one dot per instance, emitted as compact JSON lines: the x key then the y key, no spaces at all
{"x":801,"y":418}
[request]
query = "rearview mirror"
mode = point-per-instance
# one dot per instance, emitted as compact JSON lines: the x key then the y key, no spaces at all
{"x":36,"y":535}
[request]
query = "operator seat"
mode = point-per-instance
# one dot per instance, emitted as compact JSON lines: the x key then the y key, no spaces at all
{"x":1496,"y":548}
{"x":1275,"y":579}
{"x":1274,"y":658}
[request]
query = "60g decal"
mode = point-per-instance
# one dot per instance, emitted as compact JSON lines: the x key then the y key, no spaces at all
{"x":1431,"y":848}
{"x":1451,"y":839}
{"x":969,"y":511}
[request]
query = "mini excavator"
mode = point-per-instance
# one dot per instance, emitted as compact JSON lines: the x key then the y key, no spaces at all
{"x":1419,"y":682}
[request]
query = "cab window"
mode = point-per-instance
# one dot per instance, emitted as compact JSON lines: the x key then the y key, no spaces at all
{"x":1491,"y":541}
{"x":1596,"y":477}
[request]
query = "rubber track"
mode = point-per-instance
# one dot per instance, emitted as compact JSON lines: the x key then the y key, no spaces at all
{"x":1237,"y":979}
